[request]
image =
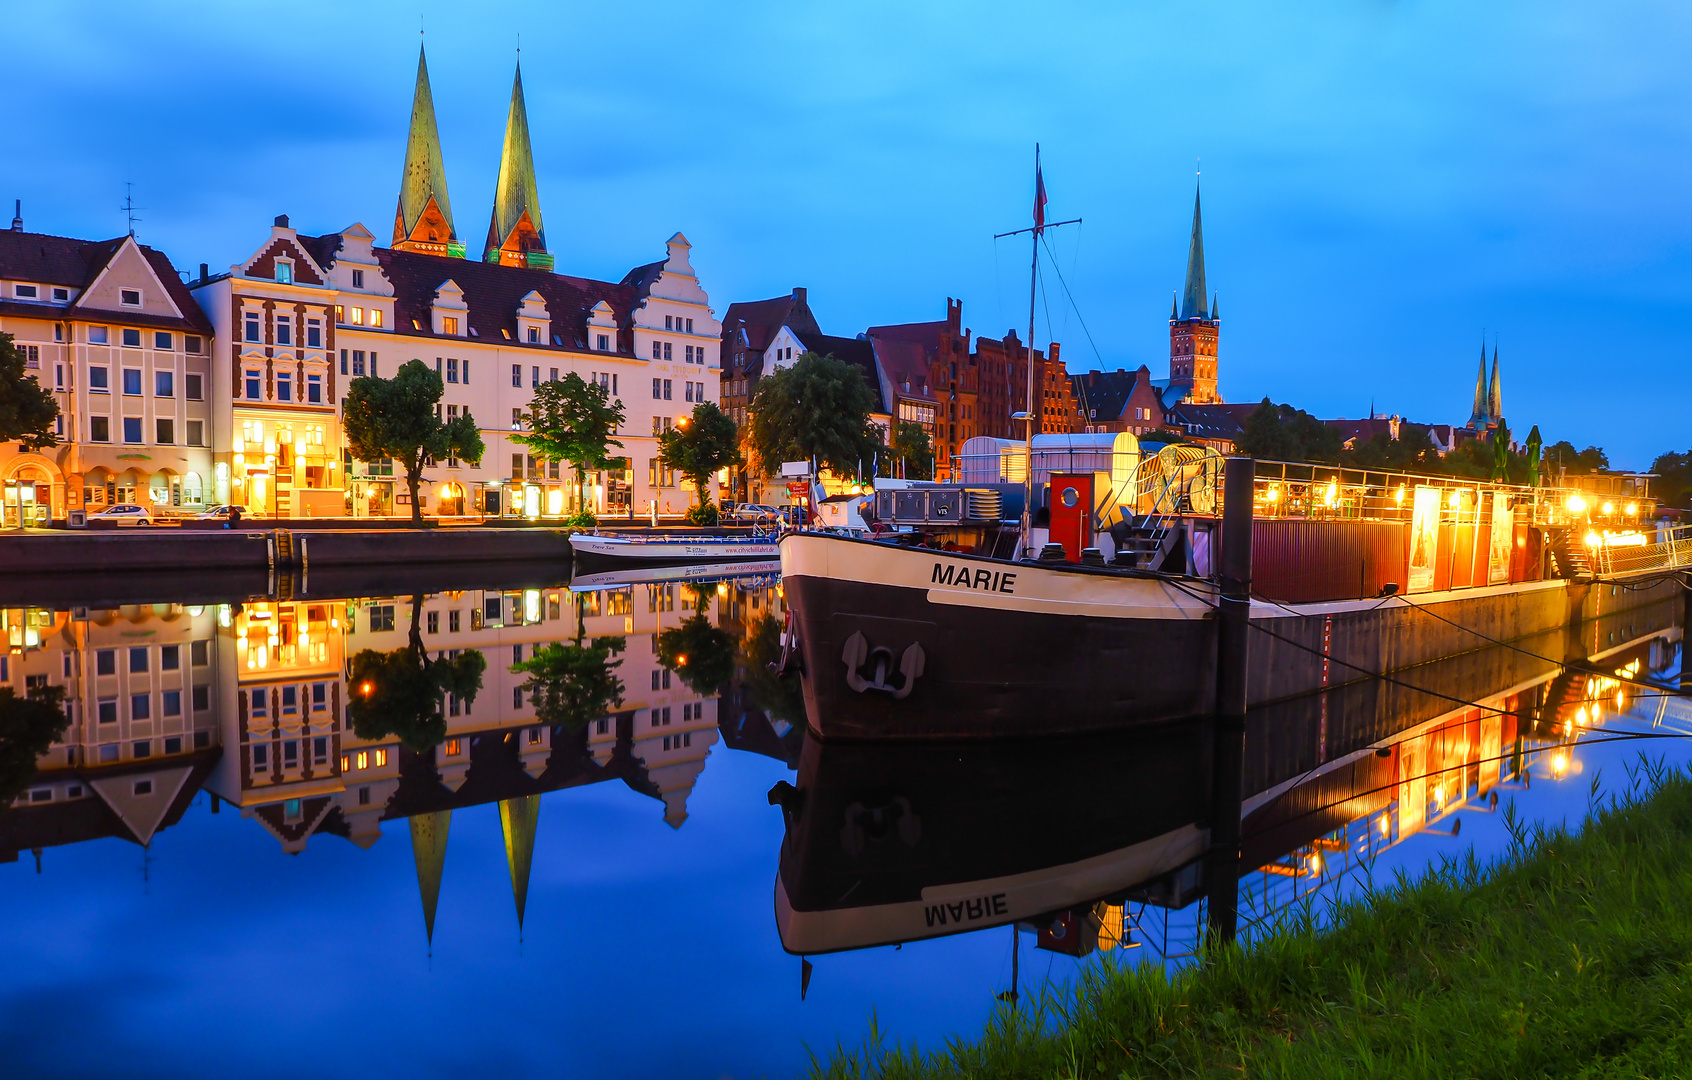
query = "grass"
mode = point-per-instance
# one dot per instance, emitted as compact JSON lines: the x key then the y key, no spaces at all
{"x":1568,"y":956}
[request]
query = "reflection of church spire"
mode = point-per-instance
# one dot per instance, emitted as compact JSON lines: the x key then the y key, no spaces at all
{"x":517,"y":820}
{"x":428,"y":847}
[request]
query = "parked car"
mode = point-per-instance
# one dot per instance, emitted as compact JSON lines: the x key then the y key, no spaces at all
{"x":123,"y":514}
{"x":754,"y":512}
{"x":217,"y":513}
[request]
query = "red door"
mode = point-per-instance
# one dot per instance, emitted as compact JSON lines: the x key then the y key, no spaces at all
{"x":1072,"y":513}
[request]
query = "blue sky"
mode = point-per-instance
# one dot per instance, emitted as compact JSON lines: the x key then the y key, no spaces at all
{"x":1383,"y":180}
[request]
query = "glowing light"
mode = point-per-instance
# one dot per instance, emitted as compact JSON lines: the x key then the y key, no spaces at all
{"x":1386,"y":826}
{"x":1609,"y":508}
{"x":1456,"y":499}
{"x":1315,"y":863}
{"x":367,"y":688}
{"x":1593,"y":539}
{"x":1398,"y":497}
{"x":1559,"y":763}
{"x":680,"y":660}
{"x":1274,"y":493}
{"x":1331,"y":494}
{"x":1576,"y":504}
{"x":1632,"y":509}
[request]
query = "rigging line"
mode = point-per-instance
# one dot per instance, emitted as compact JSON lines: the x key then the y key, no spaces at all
{"x":1620,"y":736}
{"x":1082,"y":318}
{"x":1045,"y":302}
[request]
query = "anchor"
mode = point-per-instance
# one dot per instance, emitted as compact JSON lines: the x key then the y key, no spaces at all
{"x":880,"y":660}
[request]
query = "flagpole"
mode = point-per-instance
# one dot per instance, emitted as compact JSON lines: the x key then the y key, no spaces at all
{"x":1028,"y":424}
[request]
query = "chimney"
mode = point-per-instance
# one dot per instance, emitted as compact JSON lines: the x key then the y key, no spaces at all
{"x":205,"y":272}
{"x":281,"y":221}
{"x":17,"y":215}
{"x":799,"y":294}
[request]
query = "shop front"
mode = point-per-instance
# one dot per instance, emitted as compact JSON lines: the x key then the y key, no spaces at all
{"x":285,"y":468}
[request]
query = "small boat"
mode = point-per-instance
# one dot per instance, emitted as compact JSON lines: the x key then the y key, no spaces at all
{"x":594,"y":553}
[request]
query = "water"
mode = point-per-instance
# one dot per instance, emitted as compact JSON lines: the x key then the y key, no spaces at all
{"x":281,"y":926}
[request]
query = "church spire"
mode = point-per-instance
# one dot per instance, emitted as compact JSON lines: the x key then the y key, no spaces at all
{"x":517,"y":820}
{"x":1495,"y":392}
{"x":1477,"y":415}
{"x":428,"y":848}
{"x":423,"y":218}
{"x":516,"y":236}
{"x":1192,"y":297}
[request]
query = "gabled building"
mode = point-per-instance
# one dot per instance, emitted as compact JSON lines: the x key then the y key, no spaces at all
{"x":1119,"y":400}
{"x":109,"y":328}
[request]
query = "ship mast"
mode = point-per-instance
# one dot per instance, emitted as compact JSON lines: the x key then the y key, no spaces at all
{"x":1037,"y":232}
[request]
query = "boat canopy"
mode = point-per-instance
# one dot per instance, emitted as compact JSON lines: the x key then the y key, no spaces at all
{"x":987,"y":460}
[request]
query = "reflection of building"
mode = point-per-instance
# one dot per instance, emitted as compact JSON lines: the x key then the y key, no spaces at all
{"x":109,"y":328}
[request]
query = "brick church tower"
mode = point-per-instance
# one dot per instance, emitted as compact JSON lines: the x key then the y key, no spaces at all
{"x":1193,"y":329}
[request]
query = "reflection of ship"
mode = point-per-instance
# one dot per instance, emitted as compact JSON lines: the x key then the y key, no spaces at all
{"x":895,"y":843}
{"x":594,"y":553}
{"x":697,"y":573}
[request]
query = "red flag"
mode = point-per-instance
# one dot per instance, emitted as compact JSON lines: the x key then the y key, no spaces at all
{"x":1039,"y":200}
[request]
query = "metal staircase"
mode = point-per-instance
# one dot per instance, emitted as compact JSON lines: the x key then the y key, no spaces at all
{"x":1569,"y":556}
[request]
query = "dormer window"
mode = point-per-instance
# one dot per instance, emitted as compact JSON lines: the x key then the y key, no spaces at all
{"x":358,"y":279}
{"x":449,"y":325}
{"x":61,"y":294}
{"x":25,"y":292}
{"x":129,"y":297}
{"x":534,"y":335}
{"x":284,"y":272}
{"x":376,"y":317}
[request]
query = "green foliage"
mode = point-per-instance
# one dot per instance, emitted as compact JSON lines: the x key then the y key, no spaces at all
{"x":909,"y":453}
{"x":573,"y":420}
{"x":1562,"y":454}
{"x":401,"y":692}
{"x":581,"y":519}
{"x":395,"y":418}
{"x":1413,"y":451}
{"x":704,"y":515}
{"x":699,"y":446}
{"x":1673,"y":485}
{"x":1283,"y":433}
{"x":27,"y":410}
{"x":29,"y":726}
{"x":818,"y":408}
{"x":1568,"y":957}
{"x":699,"y":651}
{"x":780,"y":696}
{"x":572,"y":684}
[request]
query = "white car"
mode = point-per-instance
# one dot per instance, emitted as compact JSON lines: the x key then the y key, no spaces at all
{"x":215,"y":513}
{"x":123,"y":514}
{"x":755,"y":511}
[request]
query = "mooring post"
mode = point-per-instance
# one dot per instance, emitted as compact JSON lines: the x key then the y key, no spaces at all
{"x":1233,"y":624}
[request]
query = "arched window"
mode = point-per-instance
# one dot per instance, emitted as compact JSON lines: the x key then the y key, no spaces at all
{"x":192,"y":492}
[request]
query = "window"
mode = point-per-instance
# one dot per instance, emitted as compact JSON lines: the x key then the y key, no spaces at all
{"x":358,"y":279}
{"x":132,"y":381}
{"x":451,"y":370}
{"x":358,"y":362}
{"x":434,"y":620}
{"x":253,"y":331}
{"x":140,"y":707}
{"x":657,"y":389}
{"x":284,"y":386}
{"x":449,"y":325}
{"x":517,"y":375}
{"x":454,"y":747}
{"x":669,"y":323}
{"x":452,"y":622}
{"x":191,"y":343}
{"x":171,"y":701}
{"x":261,"y":757}
{"x":132,"y":429}
{"x":164,"y":384}
{"x":284,"y":272}
{"x":689,"y":354}
{"x":166,"y":431}
{"x":314,"y":389}
{"x":202,"y":698}
{"x":24,"y":292}
{"x":381,"y":617}
{"x":534,"y":378}
{"x":319,"y":750}
{"x":290,"y":699}
{"x":284,"y":330}
{"x":554,"y":375}
{"x":534,"y":335}
{"x":129,"y":297}
{"x":319,"y":696}
{"x":376,"y":317}
{"x":666,"y":389}
{"x":61,"y":294}
{"x":689,"y":391}
{"x":314,"y":333}
{"x":516,"y":697}
{"x":199,"y":653}
{"x":604,"y":343}
{"x":138,"y":659}
{"x":516,"y":419}
{"x":96,"y":335}
{"x":464,"y":369}
{"x":58,"y":376}
{"x":253,"y":386}
{"x":666,"y":350}
{"x":363,"y":792}
{"x":690,"y":330}
{"x":99,"y":429}
{"x":107,"y":710}
{"x":105,"y":662}
{"x":260,"y":702}
{"x":99,"y":380}
{"x":193,"y":386}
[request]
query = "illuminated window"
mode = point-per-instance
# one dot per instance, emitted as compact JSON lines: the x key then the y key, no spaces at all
{"x":381,"y":758}
{"x":363,"y":759}
{"x":454,"y":747}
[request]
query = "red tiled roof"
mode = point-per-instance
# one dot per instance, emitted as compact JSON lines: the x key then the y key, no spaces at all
{"x":905,"y":363}
{"x":60,"y":260}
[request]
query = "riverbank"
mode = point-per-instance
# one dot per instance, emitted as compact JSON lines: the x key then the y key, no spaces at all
{"x":1567,"y":957}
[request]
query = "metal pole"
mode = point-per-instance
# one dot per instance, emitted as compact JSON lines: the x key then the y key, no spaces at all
{"x":1233,"y":624}
{"x":1028,"y":425}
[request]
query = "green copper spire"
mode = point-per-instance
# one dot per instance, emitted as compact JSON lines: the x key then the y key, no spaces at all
{"x":1192,"y":297}
{"x":1477,"y":416}
{"x":515,"y":196}
{"x":518,"y":819}
{"x":428,"y":848}
{"x":1495,"y":392}
{"x":424,"y":178}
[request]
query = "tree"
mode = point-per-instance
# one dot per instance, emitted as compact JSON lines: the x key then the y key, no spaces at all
{"x":395,"y":418}
{"x":817,"y":409}
{"x":697,"y":447}
{"x":1562,"y":454}
{"x":1413,"y":451}
{"x":400,"y":692}
{"x":28,"y":727}
{"x":1283,"y":433}
{"x":27,"y":411}
{"x":1674,"y":479}
{"x":701,"y":652}
{"x":573,"y":420}
{"x":572,"y":684}
{"x":779,"y":695}
{"x":909,"y":453}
